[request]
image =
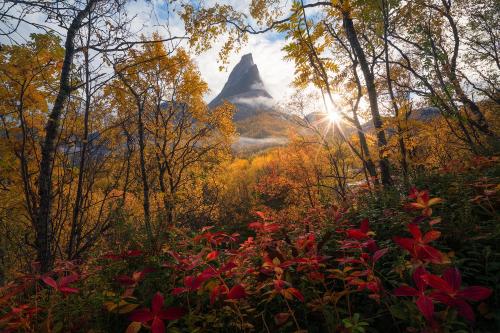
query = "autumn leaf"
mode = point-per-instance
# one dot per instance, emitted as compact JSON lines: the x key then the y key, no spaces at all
{"x":237,"y":292}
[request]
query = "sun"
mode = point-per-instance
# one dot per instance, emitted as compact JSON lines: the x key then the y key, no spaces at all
{"x":333,"y":117}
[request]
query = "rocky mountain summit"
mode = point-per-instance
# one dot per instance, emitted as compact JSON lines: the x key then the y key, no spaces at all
{"x":245,"y":89}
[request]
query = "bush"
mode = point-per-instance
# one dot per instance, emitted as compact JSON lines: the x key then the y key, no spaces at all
{"x":388,"y":263}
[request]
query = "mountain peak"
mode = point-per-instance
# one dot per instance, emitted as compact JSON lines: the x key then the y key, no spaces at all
{"x":245,"y":89}
{"x":247,"y":58}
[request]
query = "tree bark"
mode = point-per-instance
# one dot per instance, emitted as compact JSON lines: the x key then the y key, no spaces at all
{"x":144,"y":176}
{"x":75,"y":232}
{"x":401,"y":142}
{"x":372,"y":95}
{"x":2,"y":254}
{"x":140,"y":101}
{"x":43,"y":224}
{"x":368,"y":162}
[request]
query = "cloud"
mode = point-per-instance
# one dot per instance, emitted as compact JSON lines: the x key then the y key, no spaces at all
{"x":261,"y":101}
{"x":244,"y":142}
{"x":257,"y":86}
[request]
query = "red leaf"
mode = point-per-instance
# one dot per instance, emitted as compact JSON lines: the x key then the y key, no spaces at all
{"x":216,"y":291}
{"x":141,"y":315}
{"x":437,"y":283}
{"x":148,"y":270}
{"x":365,"y":226}
{"x":112,"y":256}
{"x":64,"y":281}
{"x":356,"y":234}
{"x":68,"y":290}
{"x":157,"y":303}
{"x":316,"y":276}
{"x":431,"y":236}
{"x":296,"y":293}
{"x":413,"y":193}
{"x":172,"y":313}
{"x":379,"y":254}
{"x":177,"y":291}
{"x":207,"y":228}
{"x":405,"y":291}
{"x":227,"y":267}
{"x":442,"y":297}
{"x":50,"y":281}
{"x":212,"y":255}
{"x":464,"y":310}
{"x":371,"y":245}
{"x":475,"y":293}
{"x":405,"y":243}
{"x":279,"y":285}
{"x":207,"y":273}
{"x":415,"y":231}
{"x":426,"y":307}
{"x":237,"y":292}
{"x":255,"y":225}
{"x":417,"y":278}
{"x":428,"y":252}
{"x":271,"y":227}
{"x":132,"y":253}
{"x":157,"y":326}
{"x":453,"y":277}
{"x":192,"y":283}
{"x":260,"y":214}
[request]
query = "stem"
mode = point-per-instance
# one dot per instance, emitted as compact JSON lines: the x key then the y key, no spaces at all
{"x":265,"y":324}
{"x":293,"y":315}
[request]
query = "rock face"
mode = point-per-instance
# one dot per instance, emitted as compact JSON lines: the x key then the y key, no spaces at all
{"x":245,"y":89}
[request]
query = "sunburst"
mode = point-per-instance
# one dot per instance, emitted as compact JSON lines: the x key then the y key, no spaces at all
{"x":333,"y":117}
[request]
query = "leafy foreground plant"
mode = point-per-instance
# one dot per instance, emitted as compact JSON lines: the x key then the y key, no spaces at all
{"x":333,"y":278}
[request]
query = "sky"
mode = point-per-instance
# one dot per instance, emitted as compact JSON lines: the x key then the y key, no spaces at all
{"x":266,"y":50}
{"x":276,"y":73}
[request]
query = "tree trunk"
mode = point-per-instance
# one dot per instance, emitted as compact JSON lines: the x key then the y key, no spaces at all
{"x":167,"y":197}
{"x":367,"y":160}
{"x":142,"y":159}
{"x":144,"y":176}
{"x":75,"y":232}
{"x":2,"y":254}
{"x":370,"y":166}
{"x":401,"y":142}
{"x":372,"y":95}
{"x":43,"y":224}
